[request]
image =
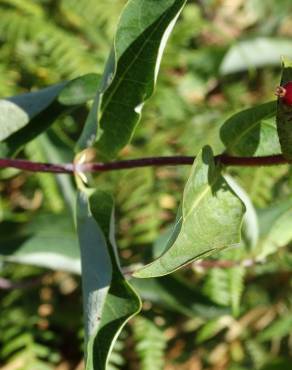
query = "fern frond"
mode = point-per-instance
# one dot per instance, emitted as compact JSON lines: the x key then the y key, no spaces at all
{"x":212,"y":328}
{"x":116,"y":359}
{"x":236,"y":284}
{"x":278,"y":329}
{"x":150,"y":344}
{"x":44,"y":47}
{"x":93,"y":13}
{"x":260,"y":183}
{"x":225,"y":286}
{"x":139,"y":221}
{"x":216,"y":286}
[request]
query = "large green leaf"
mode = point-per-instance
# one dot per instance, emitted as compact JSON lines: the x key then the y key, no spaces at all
{"x":209,"y":219}
{"x":109,"y":300}
{"x":255,"y":53}
{"x":252,"y":132}
{"x":49,"y":241}
{"x":18,"y":111}
{"x":130,"y":74}
{"x":25,"y":116}
{"x":284,"y":114}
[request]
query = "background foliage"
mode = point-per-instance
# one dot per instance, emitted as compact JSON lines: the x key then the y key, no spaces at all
{"x":232,"y":318}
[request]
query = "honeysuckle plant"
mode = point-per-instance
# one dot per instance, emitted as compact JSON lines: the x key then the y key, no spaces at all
{"x":211,"y":216}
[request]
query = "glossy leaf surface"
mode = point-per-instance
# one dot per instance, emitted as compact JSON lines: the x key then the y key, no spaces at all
{"x":252,"y":132}
{"x":130,"y":74}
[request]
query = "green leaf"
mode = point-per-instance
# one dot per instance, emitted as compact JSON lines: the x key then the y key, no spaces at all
{"x":284,"y":115}
{"x":275,"y":227}
{"x":250,"y":227}
{"x":18,"y":111}
{"x":49,"y":241}
{"x":255,"y":53}
{"x":80,"y":90}
{"x":151,"y":344}
{"x":209,"y":219}
{"x":109,"y":300}
{"x":252,"y":132}
{"x":216,"y":286}
{"x":23,"y":117}
{"x":130,"y":74}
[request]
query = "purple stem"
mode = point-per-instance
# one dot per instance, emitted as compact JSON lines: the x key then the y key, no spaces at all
{"x":135,"y":163}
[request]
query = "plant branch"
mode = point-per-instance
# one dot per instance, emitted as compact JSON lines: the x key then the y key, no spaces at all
{"x":71,"y":168}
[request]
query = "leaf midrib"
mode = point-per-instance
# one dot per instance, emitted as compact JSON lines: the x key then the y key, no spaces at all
{"x":204,"y":192}
{"x":121,"y":79}
{"x":244,"y":132}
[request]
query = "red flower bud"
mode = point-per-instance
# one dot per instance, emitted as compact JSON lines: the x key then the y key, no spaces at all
{"x":285,"y":93}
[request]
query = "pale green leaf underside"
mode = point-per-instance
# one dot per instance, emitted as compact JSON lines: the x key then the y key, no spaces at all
{"x":255,"y":53}
{"x":16,"y":112}
{"x":284,"y":114}
{"x":25,"y":116}
{"x":252,"y":132}
{"x":49,"y":242}
{"x":209,"y":219}
{"x":130,"y":74}
{"x":109,"y":300}
{"x":275,"y":228}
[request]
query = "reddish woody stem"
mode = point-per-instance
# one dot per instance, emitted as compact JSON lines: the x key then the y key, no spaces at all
{"x":70,"y":168}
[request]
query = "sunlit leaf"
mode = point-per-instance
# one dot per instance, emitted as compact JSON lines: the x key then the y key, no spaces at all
{"x":252,"y":132}
{"x":23,"y":117}
{"x":130,"y":74}
{"x":255,"y":53}
{"x":209,"y":219}
{"x":109,"y":300}
{"x":49,"y":241}
{"x":275,"y":227}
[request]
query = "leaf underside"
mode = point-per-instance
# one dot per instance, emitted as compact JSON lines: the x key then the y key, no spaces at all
{"x":109,"y":300}
{"x":24,"y":117}
{"x":209,"y":219}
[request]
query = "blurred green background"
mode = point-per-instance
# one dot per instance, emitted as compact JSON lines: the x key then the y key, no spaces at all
{"x":223,"y":56}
